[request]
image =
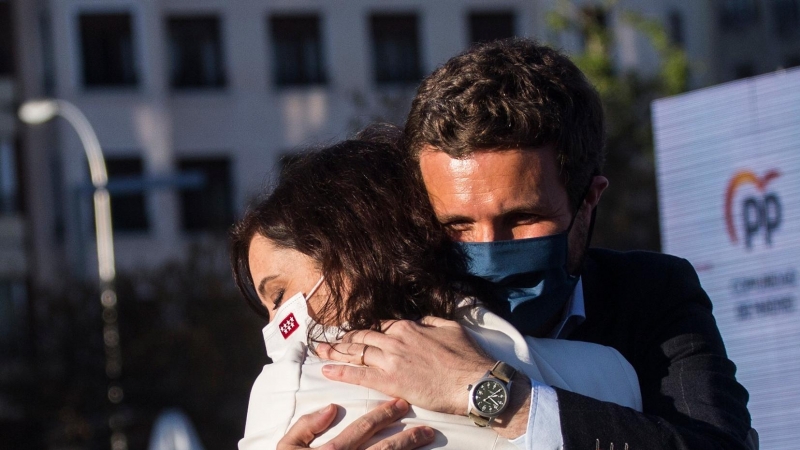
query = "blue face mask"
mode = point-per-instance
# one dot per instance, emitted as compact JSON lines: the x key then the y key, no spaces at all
{"x":531,"y":275}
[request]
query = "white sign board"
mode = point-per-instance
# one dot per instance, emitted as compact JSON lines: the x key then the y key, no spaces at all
{"x":728,"y":168}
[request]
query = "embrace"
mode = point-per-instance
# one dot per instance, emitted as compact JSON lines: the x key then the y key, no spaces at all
{"x":436,"y":285}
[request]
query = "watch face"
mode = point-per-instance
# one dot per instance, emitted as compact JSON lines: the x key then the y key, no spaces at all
{"x":489,"y":397}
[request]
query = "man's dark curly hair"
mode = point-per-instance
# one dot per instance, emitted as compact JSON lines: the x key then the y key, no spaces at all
{"x":509,"y":94}
{"x":356,"y":209}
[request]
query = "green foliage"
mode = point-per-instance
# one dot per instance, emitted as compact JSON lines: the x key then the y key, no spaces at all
{"x":628,"y":213}
{"x":673,"y":75}
{"x":188,"y":341}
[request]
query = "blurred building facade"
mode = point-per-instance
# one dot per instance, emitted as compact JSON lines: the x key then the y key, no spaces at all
{"x":227,"y":90}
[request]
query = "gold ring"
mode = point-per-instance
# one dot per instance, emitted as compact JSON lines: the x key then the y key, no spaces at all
{"x":364,"y":352}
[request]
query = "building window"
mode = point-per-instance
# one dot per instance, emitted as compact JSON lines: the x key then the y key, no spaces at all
{"x":6,"y":40}
{"x":787,"y":17}
{"x":297,"y":50}
{"x":675,"y":28}
{"x":128,"y":207}
{"x":13,"y":318}
{"x":208,"y":208}
{"x":108,"y":52}
{"x":395,"y":48}
{"x":195,"y":52}
{"x":8,"y":178}
{"x":487,"y":27}
{"x":738,"y":14}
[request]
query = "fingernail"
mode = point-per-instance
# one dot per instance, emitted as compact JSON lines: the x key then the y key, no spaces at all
{"x":400,"y":406}
{"x":327,"y":370}
{"x":428,"y":432}
{"x":325,"y":409}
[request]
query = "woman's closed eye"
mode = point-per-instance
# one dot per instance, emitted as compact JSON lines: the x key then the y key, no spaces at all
{"x":276,"y":301}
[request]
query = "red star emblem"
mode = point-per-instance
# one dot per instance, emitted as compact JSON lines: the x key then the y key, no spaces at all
{"x":288,"y":326}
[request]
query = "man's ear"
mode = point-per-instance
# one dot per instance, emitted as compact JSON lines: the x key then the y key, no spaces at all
{"x":599,"y":184}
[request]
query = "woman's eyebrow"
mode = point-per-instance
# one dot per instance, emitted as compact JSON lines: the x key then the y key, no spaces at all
{"x":263,"y":282}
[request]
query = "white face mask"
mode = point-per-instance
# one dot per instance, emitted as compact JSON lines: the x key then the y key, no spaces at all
{"x":290,"y":325}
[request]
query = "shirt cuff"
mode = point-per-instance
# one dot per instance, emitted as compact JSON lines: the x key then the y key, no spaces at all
{"x":544,"y":422}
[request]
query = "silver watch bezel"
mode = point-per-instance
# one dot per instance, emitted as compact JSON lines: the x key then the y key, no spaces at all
{"x":489,"y":377}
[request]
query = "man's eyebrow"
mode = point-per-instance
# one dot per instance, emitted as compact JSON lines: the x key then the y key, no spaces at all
{"x":460,"y":218}
{"x":263,"y":282}
{"x":521,"y":209}
{"x":455,"y":218}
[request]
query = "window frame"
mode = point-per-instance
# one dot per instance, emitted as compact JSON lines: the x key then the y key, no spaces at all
{"x":7,"y":41}
{"x":730,"y":20}
{"x":321,"y":78}
{"x":137,"y":50}
{"x":212,"y":159}
{"x":416,"y":73}
{"x":140,"y":196}
{"x":473,"y":14}
{"x":222,"y":67}
{"x":14,"y":342}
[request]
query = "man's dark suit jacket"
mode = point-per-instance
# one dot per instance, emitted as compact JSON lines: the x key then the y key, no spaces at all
{"x":652,"y":309}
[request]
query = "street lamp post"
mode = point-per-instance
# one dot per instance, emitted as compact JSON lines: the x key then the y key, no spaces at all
{"x":39,"y":111}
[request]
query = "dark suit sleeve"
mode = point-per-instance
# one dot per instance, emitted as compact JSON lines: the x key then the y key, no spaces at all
{"x":690,"y":395}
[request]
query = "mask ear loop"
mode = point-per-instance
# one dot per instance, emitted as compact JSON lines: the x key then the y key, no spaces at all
{"x":591,"y":228}
{"x":308,"y":296}
{"x":577,"y":210}
{"x":580,"y":203}
{"x":316,"y":286}
{"x":594,"y":214}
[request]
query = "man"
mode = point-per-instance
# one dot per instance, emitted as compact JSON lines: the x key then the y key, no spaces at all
{"x":509,"y":143}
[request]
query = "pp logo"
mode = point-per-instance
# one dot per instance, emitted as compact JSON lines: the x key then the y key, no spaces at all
{"x":288,"y":326}
{"x":760,"y":214}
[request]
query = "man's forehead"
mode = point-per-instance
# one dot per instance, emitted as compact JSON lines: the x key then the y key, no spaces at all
{"x":538,"y":159}
{"x":529,"y":172}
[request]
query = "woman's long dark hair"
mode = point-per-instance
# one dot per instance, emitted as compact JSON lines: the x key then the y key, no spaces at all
{"x":357,"y":210}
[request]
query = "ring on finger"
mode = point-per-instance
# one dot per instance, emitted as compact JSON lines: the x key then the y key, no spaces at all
{"x":364,"y":352}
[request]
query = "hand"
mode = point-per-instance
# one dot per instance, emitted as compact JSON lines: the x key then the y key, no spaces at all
{"x":302,"y":433}
{"x":430,"y":364}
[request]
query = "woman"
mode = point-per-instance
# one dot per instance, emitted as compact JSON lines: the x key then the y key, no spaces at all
{"x":348,"y":239}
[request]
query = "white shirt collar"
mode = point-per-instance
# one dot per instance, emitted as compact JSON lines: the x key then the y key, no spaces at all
{"x":574,"y":314}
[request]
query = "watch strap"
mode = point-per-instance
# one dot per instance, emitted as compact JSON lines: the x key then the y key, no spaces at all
{"x":502,"y":371}
{"x":481,"y":421}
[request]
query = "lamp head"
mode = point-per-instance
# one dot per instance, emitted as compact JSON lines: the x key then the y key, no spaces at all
{"x":34,"y":112}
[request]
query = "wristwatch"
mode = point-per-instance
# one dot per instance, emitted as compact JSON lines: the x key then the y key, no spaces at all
{"x":488,"y":397}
